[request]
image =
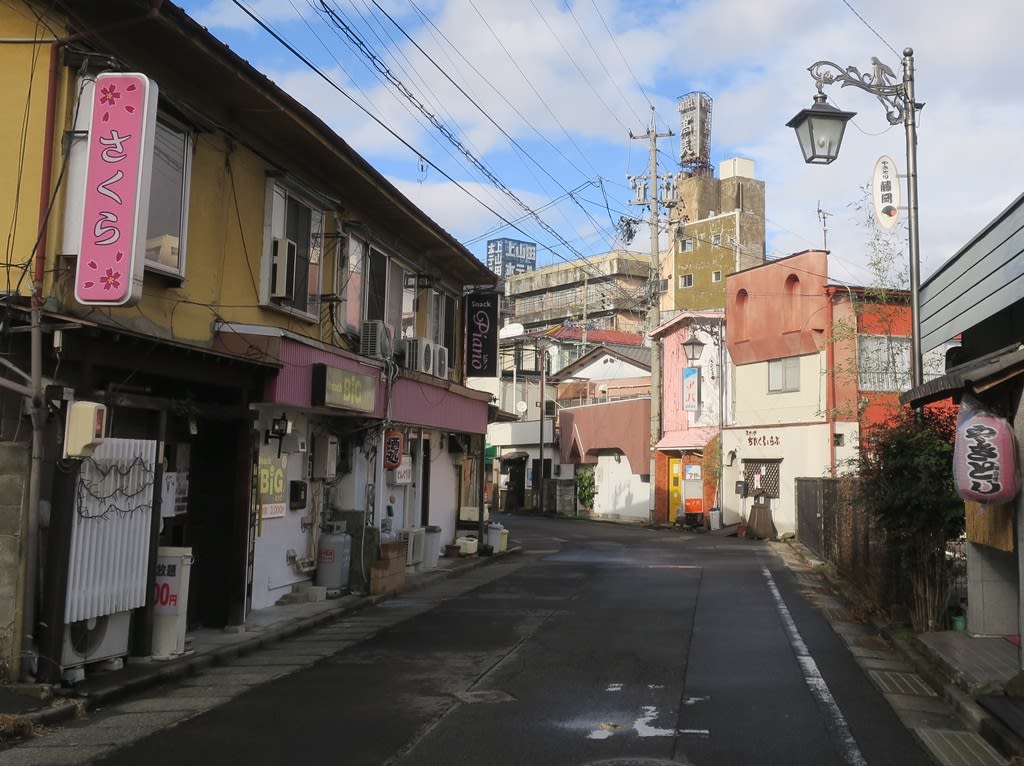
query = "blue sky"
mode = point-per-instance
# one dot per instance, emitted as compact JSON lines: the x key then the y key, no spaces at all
{"x":513,"y":117}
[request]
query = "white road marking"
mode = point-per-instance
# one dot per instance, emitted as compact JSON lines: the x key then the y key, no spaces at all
{"x":643,"y":724}
{"x":849,"y":750}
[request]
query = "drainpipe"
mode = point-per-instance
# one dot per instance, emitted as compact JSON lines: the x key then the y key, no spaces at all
{"x":28,"y":595}
{"x":830,"y":394}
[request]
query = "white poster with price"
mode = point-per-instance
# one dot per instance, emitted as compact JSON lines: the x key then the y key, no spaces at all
{"x":172,"y":576}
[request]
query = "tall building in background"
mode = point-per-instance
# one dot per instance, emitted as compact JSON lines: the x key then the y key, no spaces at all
{"x":717,"y":226}
{"x":506,"y":257}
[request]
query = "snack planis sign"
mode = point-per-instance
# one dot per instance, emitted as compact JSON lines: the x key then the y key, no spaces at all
{"x":482,"y":335}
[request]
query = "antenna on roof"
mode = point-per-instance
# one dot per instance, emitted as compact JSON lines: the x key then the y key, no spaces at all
{"x":823,"y":217}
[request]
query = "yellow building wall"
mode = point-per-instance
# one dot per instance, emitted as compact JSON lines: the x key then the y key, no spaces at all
{"x":20,"y":160}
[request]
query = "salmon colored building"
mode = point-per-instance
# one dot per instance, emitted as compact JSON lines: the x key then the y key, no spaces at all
{"x":814,"y":365}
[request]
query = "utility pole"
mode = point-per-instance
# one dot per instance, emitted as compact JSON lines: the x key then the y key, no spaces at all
{"x":654,"y":316}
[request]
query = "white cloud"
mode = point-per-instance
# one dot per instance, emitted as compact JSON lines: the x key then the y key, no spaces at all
{"x":549,"y":74}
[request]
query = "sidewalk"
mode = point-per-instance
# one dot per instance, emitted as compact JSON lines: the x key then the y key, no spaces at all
{"x":969,"y":673}
{"x":23,"y":706}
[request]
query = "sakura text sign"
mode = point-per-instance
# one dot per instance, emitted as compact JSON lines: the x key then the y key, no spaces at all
{"x":116,"y":207}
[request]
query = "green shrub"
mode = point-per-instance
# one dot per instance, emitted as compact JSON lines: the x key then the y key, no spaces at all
{"x":585,"y":486}
{"x":906,"y":485}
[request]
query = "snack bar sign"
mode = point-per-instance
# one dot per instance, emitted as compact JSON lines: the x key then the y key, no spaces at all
{"x":117,"y":177}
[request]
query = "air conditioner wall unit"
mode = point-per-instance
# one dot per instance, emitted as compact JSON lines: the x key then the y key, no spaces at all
{"x":325,"y":456}
{"x":282,"y":268}
{"x":441,"y":362}
{"x":419,"y":355}
{"x":374,"y":339}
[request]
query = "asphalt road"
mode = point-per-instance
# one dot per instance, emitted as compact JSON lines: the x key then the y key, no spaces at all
{"x":600,"y":643}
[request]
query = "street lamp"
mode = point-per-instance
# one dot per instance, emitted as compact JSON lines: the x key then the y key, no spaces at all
{"x":693,"y":348}
{"x":820,"y":131}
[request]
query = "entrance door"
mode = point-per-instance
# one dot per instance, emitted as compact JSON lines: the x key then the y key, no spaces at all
{"x":675,"y":489}
{"x":516,"y":485}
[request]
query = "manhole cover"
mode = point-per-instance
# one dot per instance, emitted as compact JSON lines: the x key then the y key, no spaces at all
{"x":635,"y":762}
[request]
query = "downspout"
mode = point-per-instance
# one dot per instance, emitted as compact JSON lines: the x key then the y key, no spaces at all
{"x":830,"y":394}
{"x":37,"y":409}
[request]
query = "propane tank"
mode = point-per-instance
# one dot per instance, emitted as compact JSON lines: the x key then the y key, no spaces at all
{"x":333,"y":558}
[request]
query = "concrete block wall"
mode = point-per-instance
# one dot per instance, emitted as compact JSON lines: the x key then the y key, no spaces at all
{"x":14,"y":467}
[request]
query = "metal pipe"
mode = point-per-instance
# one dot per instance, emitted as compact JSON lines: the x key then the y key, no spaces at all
{"x":909,"y":116}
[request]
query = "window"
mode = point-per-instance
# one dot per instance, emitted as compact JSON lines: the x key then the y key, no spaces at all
{"x":716,"y":239}
{"x":685,"y":281}
{"x":716,"y":276}
{"x":686,"y":245}
{"x":784,"y":374}
{"x":168,"y":200}
{"x":883,"y":363}
{"x":387,"y":298}
{"x":294,"y":252}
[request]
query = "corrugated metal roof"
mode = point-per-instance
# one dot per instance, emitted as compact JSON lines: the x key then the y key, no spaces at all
{"x":975,"y":376}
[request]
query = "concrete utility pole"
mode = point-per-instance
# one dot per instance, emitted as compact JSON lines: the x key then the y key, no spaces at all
{"x":652,"y":135}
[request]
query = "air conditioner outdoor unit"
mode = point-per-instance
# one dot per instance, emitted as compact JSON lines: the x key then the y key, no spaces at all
{"x":282,"y":269}
{"x":414,"y":537}
{"x":419,"y":355}
{"x":95,"y":639}
{"x":374,"y":339}
{"x":441,"y":362}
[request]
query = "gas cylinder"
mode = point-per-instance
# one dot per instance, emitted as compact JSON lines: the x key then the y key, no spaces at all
{"x":333,"y":558}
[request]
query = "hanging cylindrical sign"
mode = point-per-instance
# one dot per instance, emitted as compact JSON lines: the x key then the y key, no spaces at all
{"x":885,"y":193}
{"x":392,"y":449}
{"x":984,"y":455}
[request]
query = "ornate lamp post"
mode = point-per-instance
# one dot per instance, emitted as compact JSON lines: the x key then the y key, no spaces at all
{"x":819,"y":130}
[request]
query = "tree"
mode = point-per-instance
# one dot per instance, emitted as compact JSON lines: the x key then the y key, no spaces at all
{"x":906,"y":485}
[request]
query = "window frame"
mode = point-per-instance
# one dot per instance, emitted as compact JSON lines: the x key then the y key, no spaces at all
{"x":163,"y":123}
{"x":879,"y":368}
{"x":786,"y":371}
{"x":685,"y":281}
{"x":276,"y":222}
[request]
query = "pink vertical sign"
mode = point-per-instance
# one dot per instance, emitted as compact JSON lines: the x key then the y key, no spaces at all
{"x":116,"y":207}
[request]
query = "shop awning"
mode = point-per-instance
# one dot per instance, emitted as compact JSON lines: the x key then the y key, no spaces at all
{"x":975,"y":376}
{"x":688,"y":439}
{"x":514,"y":455}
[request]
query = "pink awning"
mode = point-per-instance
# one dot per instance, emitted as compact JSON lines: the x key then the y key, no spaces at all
{"x":688,"y":439}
